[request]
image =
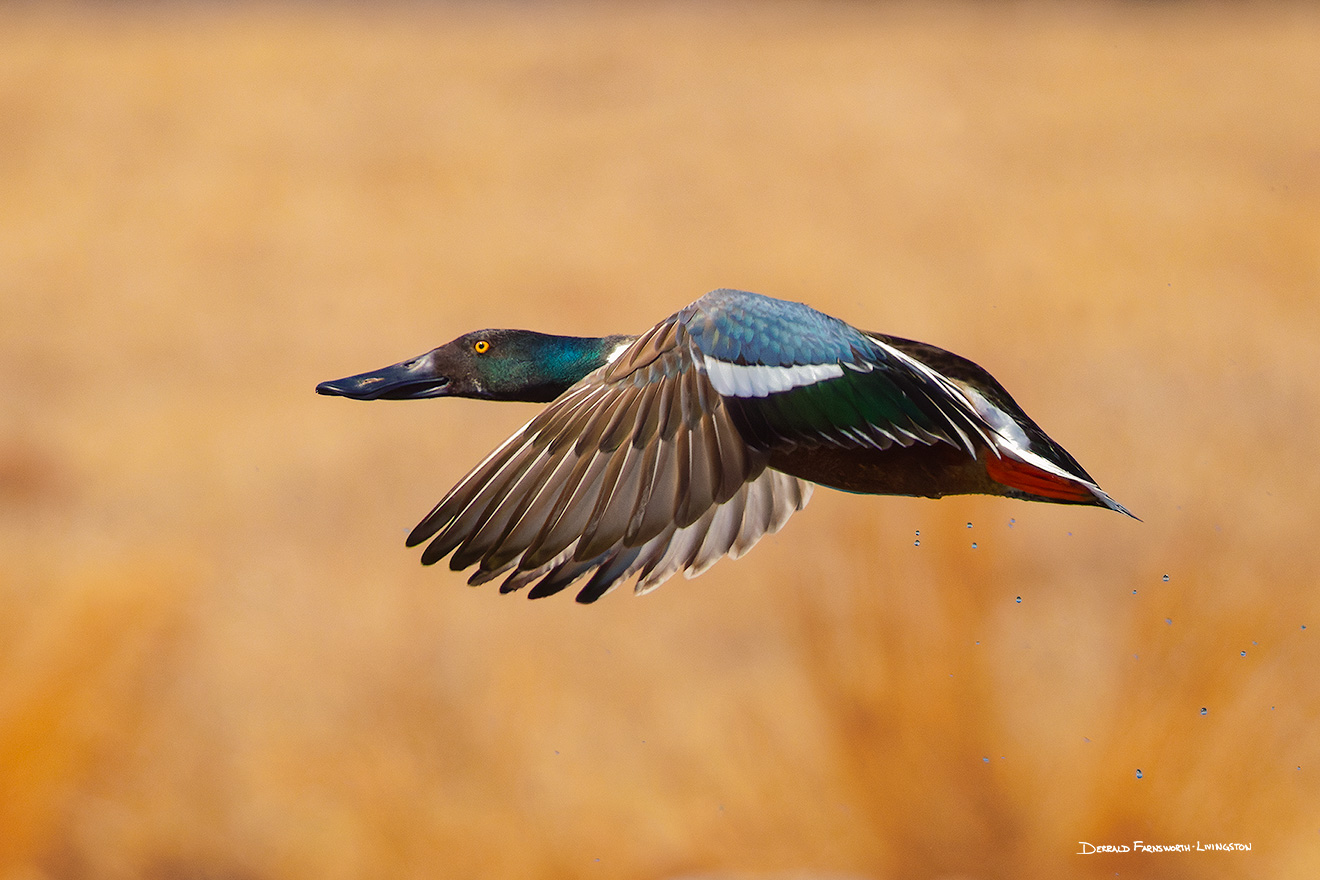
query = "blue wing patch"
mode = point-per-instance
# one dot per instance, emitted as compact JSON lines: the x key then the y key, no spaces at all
{"x":746,"y":329}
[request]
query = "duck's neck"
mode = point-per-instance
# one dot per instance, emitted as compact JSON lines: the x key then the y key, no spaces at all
{"x":551,"y":365}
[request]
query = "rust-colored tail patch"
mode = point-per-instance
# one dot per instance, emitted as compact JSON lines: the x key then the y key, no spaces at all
{"x":1029,"y":478}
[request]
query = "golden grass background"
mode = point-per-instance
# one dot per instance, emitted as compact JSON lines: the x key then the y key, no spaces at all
{"x":217,"y":660}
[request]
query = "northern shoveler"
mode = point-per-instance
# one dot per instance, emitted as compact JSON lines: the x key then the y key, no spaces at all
{"x":664,"y":452}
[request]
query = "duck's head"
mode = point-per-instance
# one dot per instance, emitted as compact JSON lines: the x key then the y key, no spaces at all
{"x":487,"y":364}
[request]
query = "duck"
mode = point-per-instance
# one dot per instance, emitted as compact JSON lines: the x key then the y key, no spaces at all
{"x":664,"y":452}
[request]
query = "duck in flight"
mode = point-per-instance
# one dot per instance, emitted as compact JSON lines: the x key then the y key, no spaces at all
{"x":663,"y":453}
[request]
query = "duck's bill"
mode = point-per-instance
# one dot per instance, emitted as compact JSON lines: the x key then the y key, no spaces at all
{"x":410,"y":380}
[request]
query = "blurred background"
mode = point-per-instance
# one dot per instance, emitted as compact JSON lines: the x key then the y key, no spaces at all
{"x":218,"y":660}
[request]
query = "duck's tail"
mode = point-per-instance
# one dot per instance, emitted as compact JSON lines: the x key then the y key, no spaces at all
{"x":1048,"y":483}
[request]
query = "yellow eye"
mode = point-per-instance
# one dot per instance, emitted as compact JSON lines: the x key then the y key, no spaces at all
{"x":481,"y":346}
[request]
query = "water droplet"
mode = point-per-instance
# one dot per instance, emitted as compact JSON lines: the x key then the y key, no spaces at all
{"x":1166,"y":578}
{"x":916,"y":543}
{"x":1134,"y":592}
{"x":1019,"y":600}
{"x":978,"y":641}
{"x":1243,"y":654}
{"x":1138,"y":772}
{"x":1169,"y":621}
{"x":985,"y":760}
{"x":1070,"y":534}
{"x":1011,"y":523}
{"x":1204,"y":710}
{"x":918,"y":533}
{"x":969,"y":525}
{"x":973,"y":545}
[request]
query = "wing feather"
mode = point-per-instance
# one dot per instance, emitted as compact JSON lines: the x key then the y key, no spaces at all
{"x":638,"y":470}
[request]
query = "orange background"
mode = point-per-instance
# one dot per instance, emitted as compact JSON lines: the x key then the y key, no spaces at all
{"x":218,"y":660}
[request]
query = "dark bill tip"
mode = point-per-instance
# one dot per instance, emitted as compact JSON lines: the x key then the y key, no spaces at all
{"x":410,"y":380}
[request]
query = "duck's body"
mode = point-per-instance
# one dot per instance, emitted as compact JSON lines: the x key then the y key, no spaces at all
{"x":665,"y":452}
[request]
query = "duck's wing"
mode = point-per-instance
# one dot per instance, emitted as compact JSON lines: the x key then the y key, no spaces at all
{"x":793,"y":376}
{"x":636,"y":470}
{"x":828,"y":400}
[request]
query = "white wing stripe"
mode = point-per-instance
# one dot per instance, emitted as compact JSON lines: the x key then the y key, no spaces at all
{"x":762,"y":380}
